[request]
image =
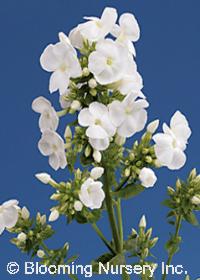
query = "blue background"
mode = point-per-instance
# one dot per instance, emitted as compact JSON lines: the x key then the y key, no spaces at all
{"x":168,"y":58}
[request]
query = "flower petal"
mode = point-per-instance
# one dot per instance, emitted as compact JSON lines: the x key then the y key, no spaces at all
{"x":40,"y":104}
{"x":99,"y":144}
{"x":96,"y":131}
{"x":48,"y":59}
{"x":85,"y":118}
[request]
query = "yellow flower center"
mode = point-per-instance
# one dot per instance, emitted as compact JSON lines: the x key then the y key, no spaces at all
{"x":109,"y":61}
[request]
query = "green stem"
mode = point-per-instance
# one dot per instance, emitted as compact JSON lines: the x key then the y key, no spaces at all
{"x":101,"y":235}
{"x":110,"y":210}
{"x":170,"y":257}
{"x":45,"y":248}
{"x":122,"y":184}
{"x":62,"y":113}
{"x":120,"y":224}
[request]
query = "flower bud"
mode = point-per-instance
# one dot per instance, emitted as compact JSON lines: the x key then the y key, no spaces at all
{"x":97,"y":156}
{"x":119,"y":140}
{"x":43,"y":219}
{"x":145,"y":253}
{"x":127,"y":172}
{"x":78,"y":206}
{"x":134,"y":232}
{"x":76,"y":105}
{"x":86,"y":72}
{"x":153,"y":242}
{"x":54,"y":216}
{"x":96,"y":172}
{"x":55,"y":196}
{"x":93,"y":92}
{"x":195,"y":199}
{"x":92,"y":83}
{"x":152,"y":126}
{"x":178,"y":185}
{"x":68,"y":133}
{"x":22,"y":237}
{"x":143,"y":223}
{"x":25,"y":213}
{"x":45,"y":178}
{"x":87,"y":151}
{"x":40,"y":254}
{"x":193,"y":174}
{"x":170,"y":190}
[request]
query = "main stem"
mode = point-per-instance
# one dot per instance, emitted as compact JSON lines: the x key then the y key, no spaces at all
{"x":110,"y":210}
{"x":170,"y":257}
{"x":120,"y":223}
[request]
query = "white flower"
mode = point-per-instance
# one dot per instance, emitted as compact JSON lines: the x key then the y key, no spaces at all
{"x":52,"y":145}
{"x":96,"y":172}
{"x":100,"y":128}
{"x":130,"y":83}
{"x":152,"y":126}
{"x":97,"y":156}
{"x":92,"y":194}
{"x":127,"y":31}
{"x":8,"y":214}
{"x":129,"y":115}
{"x":108,"y":62}
{"x":22,"y":237}
{"x":78,"y":206}
{"x":63,"y":62}
{"x":143,"y":223}
{"x":25,"y":213}
{"x":40,"y":254}
{"x":147,"y":177}
{"x":196,"y":200}
{"x":97,"y":28}
{"x":170,"y":145}
{"x":48,"y":118}
{"x":54,"y":216}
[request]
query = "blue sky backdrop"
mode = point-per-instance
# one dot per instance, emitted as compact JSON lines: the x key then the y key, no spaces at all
{"x":168,"y":58}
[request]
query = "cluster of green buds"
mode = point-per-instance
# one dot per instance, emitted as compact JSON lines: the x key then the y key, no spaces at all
{"x":184,"y":199}
{"x":141,"y":155}
{"x":31,"y":233}
{"x":67,"y":198}
{"x":140,"y":243}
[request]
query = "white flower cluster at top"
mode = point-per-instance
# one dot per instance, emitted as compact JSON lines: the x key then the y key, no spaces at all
{"x":109,"y":66}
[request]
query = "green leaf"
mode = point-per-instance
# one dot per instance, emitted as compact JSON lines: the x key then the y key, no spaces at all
{"x":191,"y":218}
{"x":129,"y":191}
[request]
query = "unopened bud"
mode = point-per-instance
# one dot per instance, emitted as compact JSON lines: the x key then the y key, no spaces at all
{"x":25,"y":213}
{"x":196,"y":200}
{"x":93,"y":92}
{"x":153,"y":242}
{"x":97,"y":156}
{"x":22,"y":237}
{"x":145,"y":253}
{"x":127,"y":172}
{"x":143,"y":223}
{"x":78,"y":206}
{"x":178,"y":184}
{"x":76,"y":105}
{"x":54,"y":216}
{"x":152,"y":126}
{"x":43,"y":219}
{"x":88,"y":151}
{"x":86,"y":72}
{"x":68,"y":133}
{"x":170,"y":190}
{"x":40,"y":254}
{"x":45,"y":178}
{"x":92,"y":83}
